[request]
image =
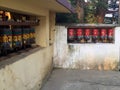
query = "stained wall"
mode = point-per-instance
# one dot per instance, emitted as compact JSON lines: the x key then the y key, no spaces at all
{"x":100,"y":56}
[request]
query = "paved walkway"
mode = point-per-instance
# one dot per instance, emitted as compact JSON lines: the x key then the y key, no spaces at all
{"x":83,"y":80}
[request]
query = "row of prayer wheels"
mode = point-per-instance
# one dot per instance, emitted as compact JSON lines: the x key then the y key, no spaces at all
{"x":96,"y":35}
{"x":15,"y":39}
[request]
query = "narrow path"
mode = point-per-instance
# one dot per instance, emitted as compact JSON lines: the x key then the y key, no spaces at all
{"x":63,"y":79}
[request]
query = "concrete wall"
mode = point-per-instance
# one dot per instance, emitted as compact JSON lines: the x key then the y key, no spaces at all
{"x":29,"y":72}
{"x":52,"y":27}
{"x":85,"y":56}
{"x":42,"y":31}
{"x":26,"y":71}
{"x":29,"y":69}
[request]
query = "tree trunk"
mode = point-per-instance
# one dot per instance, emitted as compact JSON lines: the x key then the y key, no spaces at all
{"x":80,"y":13}
{"x":100,"y":16}
{"x":80,"y":10}
{"x":101,"y":10}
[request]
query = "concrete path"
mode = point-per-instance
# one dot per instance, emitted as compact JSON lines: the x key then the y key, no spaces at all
{"x":83,"y":80}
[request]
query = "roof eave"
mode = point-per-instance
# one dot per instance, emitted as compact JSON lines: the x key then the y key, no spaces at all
{"x":67,"y":5}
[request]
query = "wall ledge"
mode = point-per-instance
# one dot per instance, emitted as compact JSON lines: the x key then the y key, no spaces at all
{"x":13,"y":57}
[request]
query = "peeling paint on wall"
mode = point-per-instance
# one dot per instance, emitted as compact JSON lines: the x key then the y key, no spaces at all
{"x":85,"y":56}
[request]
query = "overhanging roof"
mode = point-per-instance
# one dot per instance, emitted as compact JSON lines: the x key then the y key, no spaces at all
{"x":66,"y":4}
{"x":52,"y":5}
{"x":55,"y":5}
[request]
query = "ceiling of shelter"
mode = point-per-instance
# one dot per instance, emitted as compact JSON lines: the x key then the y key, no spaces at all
{"x":49,"y":4}
{"x":46,"y":4}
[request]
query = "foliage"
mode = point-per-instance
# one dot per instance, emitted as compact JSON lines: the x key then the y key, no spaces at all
{"x":90,"y":18}
{"x":66,"y":18}
{"x":73,"y":2}
{"x":95,"y":11}
{"x":89,"y":15}
{"x":101,"y":5}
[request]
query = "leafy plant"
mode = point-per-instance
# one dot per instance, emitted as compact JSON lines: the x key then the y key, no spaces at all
{"x":95,"y":11}
{"x":90,"y":13}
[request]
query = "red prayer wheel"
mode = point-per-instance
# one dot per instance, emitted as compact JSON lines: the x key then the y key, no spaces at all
{"x":103,"y":35}
{"x":110,"y":35}
{"x":103,"y":32}
{"x":87,"y":35}
{"x":87,"y":32}
{"x":71,"y":32}
{"x":95,"y":32}
{"x":110,"y":32}
{"x":95,"y":35}
{"x":79,"y":32}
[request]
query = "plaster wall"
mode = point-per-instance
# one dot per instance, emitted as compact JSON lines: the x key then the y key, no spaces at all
{"x":98,"y":56}
{"x":27,"y":72}
{"x":42,"y":31}
{"x":52,"y":27}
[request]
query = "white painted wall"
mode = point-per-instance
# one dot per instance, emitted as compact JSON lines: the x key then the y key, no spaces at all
{"x":85,"y":56}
